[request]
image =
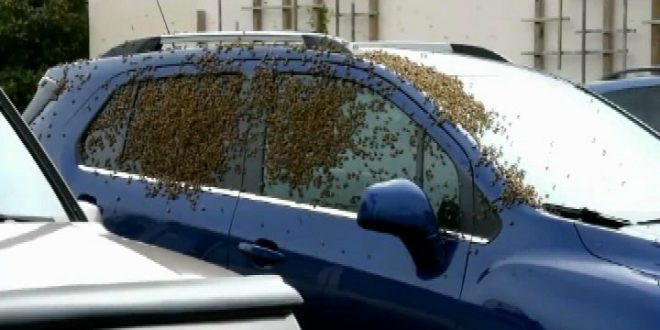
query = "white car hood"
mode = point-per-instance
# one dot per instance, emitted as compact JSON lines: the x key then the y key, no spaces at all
{"x":55,"y":254}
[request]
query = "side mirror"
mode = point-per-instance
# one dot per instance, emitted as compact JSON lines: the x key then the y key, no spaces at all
{"x":399,"y":207}
{"x":92,"y":212}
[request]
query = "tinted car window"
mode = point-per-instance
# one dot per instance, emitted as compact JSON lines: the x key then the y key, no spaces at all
{"x":381,"y":147}
{"x":182,"y":128}
{"x":643,"y":103}
{"x":325,"y":150}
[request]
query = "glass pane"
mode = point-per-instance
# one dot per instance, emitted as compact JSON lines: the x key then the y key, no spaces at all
{"x":343,"y":145}
{"x":643,"y":103}
{"x":25,"y":190}
{"x":180,"y":129}
{"x":104,"y":139}
{"x":441,"y":185}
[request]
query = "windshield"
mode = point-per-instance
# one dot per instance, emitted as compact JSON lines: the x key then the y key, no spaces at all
{"x":554,"y":142}
{"x":24,"y":190}
{"x":576,"y":151}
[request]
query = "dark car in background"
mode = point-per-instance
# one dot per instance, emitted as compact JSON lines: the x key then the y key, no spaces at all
{"x":636,"y":90}
{"x":394,"y":188}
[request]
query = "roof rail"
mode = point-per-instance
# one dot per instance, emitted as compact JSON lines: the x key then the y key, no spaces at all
{"x":654,"y":70}
{"x":309,"y":40}
{"x":433,"y":47}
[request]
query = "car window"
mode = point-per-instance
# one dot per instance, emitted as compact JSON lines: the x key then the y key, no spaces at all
{"x":325,"y":147}
{"x":25,"y":189}
{"x":380,"y":148}
{"x":643,"y":103}
{"x":104,"y":138}
{"x":182,"y":128}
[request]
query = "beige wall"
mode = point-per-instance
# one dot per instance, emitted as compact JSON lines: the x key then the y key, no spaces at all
{"x":495,"y":24}
{"x":114,"y":21}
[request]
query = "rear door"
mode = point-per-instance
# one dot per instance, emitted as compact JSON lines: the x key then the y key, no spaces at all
{"x":143,"y":148}
{"x":316,"y":144}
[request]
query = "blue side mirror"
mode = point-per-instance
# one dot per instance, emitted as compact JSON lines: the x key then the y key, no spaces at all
{"x":398,"y":207}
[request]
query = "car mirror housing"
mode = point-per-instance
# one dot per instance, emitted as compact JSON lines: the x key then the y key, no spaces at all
{"x":399,"y":207}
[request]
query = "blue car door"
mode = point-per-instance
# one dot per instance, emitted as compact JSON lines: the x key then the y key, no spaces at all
{"x":134,"y":132}
{"x":323,"y":137}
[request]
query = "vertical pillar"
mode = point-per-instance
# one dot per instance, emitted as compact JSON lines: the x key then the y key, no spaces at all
{"x":655,"y":32}
{"x":201,"y":21}
{"x":373,"y":19}
{"x":539,"y":42}
{"x":257,"y":11}
{"x":608,"y":36}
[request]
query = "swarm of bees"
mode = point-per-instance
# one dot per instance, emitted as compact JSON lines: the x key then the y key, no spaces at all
{"x":307,"y":128}
{"x":458,"y":107}
{"x":186,"y":130}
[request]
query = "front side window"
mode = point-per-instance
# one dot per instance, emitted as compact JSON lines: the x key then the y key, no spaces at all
{"x":25,"y":191}
{"x":349,"y":146}
{"x":325,"y":140}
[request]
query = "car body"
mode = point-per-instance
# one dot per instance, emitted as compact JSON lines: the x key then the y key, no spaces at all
{"x":343,"y":222}
{"x":638,"y":94}
{"x":60,"y":269}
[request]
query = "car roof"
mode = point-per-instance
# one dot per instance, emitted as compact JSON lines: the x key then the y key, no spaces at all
{"x":461,"y":65}
{"x":606,"y":86}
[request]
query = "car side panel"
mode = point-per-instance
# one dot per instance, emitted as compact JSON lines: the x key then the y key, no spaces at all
{"x":122,"y":196}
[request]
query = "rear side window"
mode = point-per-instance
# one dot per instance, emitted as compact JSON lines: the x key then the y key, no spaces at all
{"x":643,"y":103}
{"x":182,"y":129}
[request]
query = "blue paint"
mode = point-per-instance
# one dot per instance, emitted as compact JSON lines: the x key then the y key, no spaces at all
{"x":539,"y":272}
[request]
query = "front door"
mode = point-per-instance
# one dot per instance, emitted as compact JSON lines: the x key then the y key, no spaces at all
{"x":315,"y":147}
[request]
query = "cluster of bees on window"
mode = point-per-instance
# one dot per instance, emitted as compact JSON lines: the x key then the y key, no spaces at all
{"x":183,"y":129}
{"x":458,"y":107}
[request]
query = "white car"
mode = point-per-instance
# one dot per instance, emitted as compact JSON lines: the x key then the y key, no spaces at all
{"x":61,"y":270}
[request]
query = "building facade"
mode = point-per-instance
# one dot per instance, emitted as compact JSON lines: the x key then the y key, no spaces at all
{"x":578,"y":39}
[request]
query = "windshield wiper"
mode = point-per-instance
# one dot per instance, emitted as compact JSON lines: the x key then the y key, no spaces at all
{"x":24,"y":218}
{"x":586,"y":215}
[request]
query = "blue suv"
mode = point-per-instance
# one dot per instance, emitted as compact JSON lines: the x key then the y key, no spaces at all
{"x":394,"y":188}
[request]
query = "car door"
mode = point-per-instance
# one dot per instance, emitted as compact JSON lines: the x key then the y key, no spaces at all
{"x":134,"y":133}
{"x":318,"y":144}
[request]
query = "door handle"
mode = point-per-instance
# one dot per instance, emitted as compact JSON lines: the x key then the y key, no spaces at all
{"x":261,"y":253}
